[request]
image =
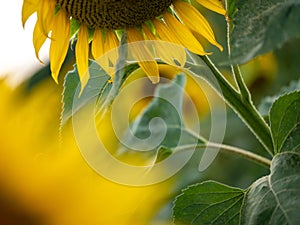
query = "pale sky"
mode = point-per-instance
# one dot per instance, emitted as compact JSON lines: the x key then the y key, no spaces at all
{"x":17,"y":57}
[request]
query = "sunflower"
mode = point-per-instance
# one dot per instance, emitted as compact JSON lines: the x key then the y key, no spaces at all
{"x":49,"y":181}
{"x":99,"y":23}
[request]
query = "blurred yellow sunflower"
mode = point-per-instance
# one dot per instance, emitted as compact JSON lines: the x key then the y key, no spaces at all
{"x":101,"y":22}
{"x":47,"y":181}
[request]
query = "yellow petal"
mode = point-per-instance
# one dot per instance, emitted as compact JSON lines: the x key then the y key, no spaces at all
{"x":142,"y":54}
{"x":111,"y":46}
{"x":165,"y":51}
{"x":45,"y":15}
{"x":82,"y":56}
{"x":60,"y":42}
{"x":28,"y":8}
{"x":195,"y":21}
{"x":169,"y":52}
{"x":38,"y":39}
{"x":98,"y":52}
{"x":148,"y":33}
{"x":183,"y":34}
{"x":98,"y":49}
{"x":213,"y":5}
{"x":98,"y":44}
{"x":164,"y":32}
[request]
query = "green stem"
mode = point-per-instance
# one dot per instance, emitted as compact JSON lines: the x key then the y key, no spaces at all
{"x":244,"y":109}
{"x":242,"y":87}
{"x":245,"y":96}
{"x":244,"y":91}
{"x":230,"y":149}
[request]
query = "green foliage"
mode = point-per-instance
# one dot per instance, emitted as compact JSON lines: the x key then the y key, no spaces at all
{"x":163,"y":153}
{"x":75,"y":25}
{"x":120,"y":74}
{"x":98,"y":85}
{"x":275,"y":199}
{"x":160,"y":125}
{"x":262,"y":26}
{"x":257,"y":27}
{"x":162,"y":118}
{"x":231,"y":8}
{"x":209,"y":203}
{"x":285,"y":122}
{"x":72,"y":101}
{"x":265,"y":106}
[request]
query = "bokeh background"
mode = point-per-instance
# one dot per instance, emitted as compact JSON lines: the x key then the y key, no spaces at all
{"x":44,"y":180}
{"x":17,"y":57}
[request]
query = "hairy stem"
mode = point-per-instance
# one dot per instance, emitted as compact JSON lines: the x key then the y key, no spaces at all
{"x":242,"y":107}
{"x":231,"y":150}
{"x":242,"y":88}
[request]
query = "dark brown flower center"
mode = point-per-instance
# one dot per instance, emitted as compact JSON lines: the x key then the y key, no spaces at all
{"x":113,"y":14}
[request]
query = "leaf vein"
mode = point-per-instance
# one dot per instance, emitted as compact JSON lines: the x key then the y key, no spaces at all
{"x":277,"y":201}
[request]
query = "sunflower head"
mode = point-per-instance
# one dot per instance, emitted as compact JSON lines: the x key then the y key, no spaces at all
{"x":113,"y":15}
{"x":99,"y":23}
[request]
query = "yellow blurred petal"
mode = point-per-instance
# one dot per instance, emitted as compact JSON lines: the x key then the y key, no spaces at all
{"x":38,"y":39}
{"x":213,"y":5}
{"x":60,"y":42}
{"x":183,"y":34}
{"x":165,"y":51}
{"x":142,"y":54}
{"x":82,"y":55}
{"x":170,"y":72}
{"x":195,"y":21}
{"x":28,"y":8}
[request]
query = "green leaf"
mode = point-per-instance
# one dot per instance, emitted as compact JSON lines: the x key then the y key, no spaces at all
{"x":285,"y":122}
{"x":120,"y":74}
{"x":231,"y":8}
{"x":75,"y":25}
{"x":267,"y":102}
{"x":97,"y":86}
{"x":262,"y":26}
{"x":161,"y":125}
{"x":209,"y":202}
{"x":275,"y":199}
{"x":72,"y":102}
{"x":163,"y":153}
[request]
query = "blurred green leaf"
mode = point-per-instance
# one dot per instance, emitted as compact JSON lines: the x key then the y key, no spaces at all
{"x":262,"y":26}
{"x":285,"y":122}
{"x":163,"y":153}
{"x":209,"y":202}
{"x":265,"y":105}
{"x":160,"y":125}
{"x":275,"y":199}
{"x":72,"y":102}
